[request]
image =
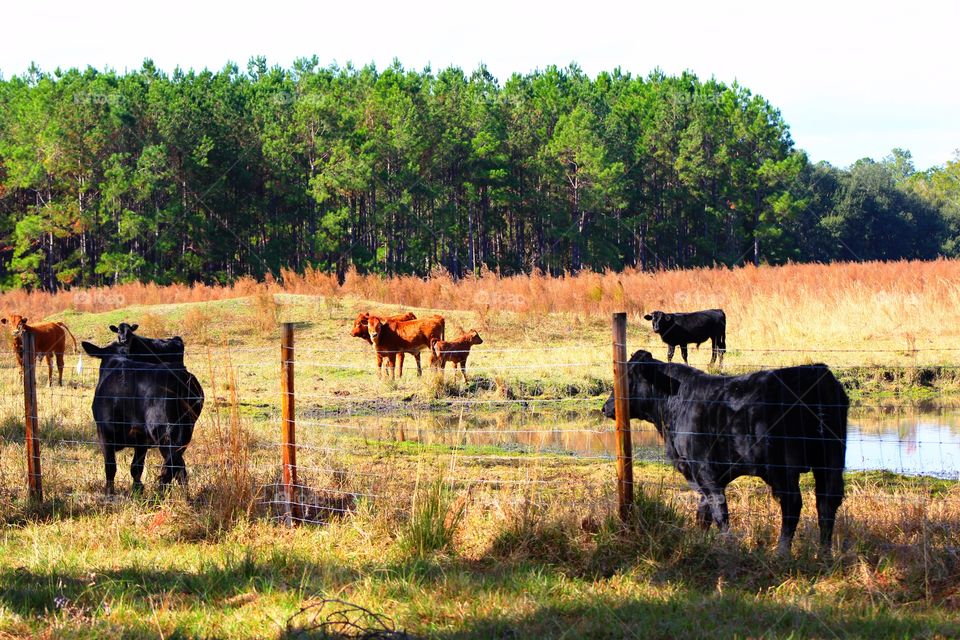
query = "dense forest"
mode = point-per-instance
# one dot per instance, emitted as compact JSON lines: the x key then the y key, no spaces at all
{"x":208,"y":176}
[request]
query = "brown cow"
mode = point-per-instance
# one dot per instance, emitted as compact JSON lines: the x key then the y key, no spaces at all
{"x":361,"y":330}
{"x":455,"y":351}
{"x":411,"y":336}
{"x":50,"y":339}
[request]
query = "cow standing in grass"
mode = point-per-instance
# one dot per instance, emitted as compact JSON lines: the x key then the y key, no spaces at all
{"x":361,"y":329}
{"x":455,"y":351}
{"x":412,"y":336}
{"x":681,"y":329}
{"x":49,"y":339}
{"x":772,"y":424}
{"x":143,"y":403}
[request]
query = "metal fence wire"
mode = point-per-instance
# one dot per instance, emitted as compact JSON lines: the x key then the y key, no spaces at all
{"x":306,"y":453}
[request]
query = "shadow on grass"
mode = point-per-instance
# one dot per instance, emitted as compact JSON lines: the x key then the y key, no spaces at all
{"x":691,"y":614}
{"x":31,"y":593}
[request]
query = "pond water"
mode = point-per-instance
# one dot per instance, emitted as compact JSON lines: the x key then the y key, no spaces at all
{"x":912,"y":442}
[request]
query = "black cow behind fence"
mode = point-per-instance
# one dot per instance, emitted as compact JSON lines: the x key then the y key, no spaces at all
{"x":143,"y":403}
{"x":161,"y":350}
{"x":681,"y":329}
{"x":772,"y":424}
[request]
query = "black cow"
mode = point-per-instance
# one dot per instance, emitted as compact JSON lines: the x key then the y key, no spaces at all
{"x":143,"y":405}
{"x":164,"y":350}
{"x":681,"y":329}
{"x":772,"y":424}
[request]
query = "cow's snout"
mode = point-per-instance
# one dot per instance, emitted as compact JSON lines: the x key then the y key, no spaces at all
{"x":609,"y":408}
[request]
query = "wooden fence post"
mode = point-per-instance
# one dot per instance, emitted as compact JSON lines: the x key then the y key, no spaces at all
{"x":32,"y":438}
{"x":621,"y":403}
{"x":288,"y":425}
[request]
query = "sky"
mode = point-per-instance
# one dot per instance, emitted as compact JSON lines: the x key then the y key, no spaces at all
{"x":852,"y":79}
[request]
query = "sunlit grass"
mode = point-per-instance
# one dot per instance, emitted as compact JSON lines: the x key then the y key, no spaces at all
{"x":454,"y":533}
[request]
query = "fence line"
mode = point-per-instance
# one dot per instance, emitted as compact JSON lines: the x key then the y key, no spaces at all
{"x":350,"y":452}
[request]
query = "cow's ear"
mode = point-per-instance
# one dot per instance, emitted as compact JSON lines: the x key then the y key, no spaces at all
{"x":114,"y":329}
{"x":93,"y":350}
{"x":648,"y":317}
{"x":134,"y":327}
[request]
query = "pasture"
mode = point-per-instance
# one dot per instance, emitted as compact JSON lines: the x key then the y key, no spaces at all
{"x":484,"y":509}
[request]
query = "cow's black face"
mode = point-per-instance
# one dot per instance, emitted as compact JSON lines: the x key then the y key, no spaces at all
{"x":661,"y":321}
{"x":646,"y":385}
{"x":124,"y":332}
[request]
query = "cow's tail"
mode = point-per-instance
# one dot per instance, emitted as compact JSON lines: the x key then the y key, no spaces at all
{"x":75,"y":349}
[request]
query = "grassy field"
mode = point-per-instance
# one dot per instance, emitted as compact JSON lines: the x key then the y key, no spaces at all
{"x":454,"y":535}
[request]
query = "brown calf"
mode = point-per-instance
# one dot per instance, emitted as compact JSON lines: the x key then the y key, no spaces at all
{"x":411,"y":336}
{"x":361,"y":329}
{"x":455,"y":351}
{"x":50,"y":339}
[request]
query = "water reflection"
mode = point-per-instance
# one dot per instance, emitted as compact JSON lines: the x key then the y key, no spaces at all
{"x":911,"y":442}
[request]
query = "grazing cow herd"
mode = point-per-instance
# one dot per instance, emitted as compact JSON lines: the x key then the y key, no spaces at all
{"x":396,"y":335}
{"x":774,"y":424}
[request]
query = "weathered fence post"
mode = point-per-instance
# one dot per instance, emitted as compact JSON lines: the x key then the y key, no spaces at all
{"x":288,"y":426}
{"x":622,"y":408}
{"x":32,"y":438}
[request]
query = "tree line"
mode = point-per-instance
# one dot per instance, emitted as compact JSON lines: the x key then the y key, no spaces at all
{"x":209,"y":176}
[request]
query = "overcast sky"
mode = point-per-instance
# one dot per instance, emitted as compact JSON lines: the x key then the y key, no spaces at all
{"x":852,"y":80}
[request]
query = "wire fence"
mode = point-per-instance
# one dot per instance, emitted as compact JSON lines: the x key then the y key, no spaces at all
{"x":363,"y":443}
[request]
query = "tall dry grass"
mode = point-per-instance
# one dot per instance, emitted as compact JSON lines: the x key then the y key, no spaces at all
{"x":908,"y":306}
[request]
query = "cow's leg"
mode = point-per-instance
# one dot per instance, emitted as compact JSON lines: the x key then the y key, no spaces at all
{"x":713,"y":350}
{"x":400,"y":364}
{"x":169,"y":463}
{"x":463,"y":370}
{"x":791,"y":502}
{"x":60,"y":367}
{"x":670,"y":349}
{"x":704,"y":513}
{"x":109,"y":466}
{"x":718,"y":507}
{"x":136,"y":468}
{"x":391,"y":365}
{"x":180,"y":470}
{"x":829,"y":496}
{"x":379,"y":365}
{"x":416,"y":356}
{"x":683,"y":352}
{"x":49,"y":358}
{"x":721,"y":347}
{"x":174,"y":466}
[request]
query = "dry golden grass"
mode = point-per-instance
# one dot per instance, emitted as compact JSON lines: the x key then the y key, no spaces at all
{"x":517,"y":527}
{"x":884,"y":313}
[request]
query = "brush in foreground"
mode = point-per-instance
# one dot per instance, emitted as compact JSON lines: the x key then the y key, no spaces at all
{"x":772,"y":424}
